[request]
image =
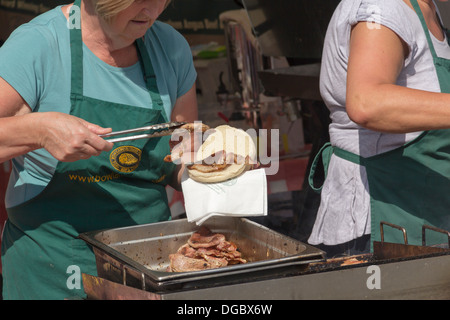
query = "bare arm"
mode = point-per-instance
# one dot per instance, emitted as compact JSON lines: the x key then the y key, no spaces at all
{"x":186,"y":108}
{"x":374,"y":100}
{"x":66,"y":137}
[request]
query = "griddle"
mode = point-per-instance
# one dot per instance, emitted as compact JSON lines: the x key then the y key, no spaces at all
{"x":138,"y":256}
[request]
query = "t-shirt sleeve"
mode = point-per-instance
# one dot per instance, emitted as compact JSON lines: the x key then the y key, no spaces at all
{"x":181,"y":58}
{"x":187,"y":74}
{"x":23,"y":60}
{"x":388,"y":13}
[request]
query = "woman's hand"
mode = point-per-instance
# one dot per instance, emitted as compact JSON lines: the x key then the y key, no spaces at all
{"x":66,"y":137}
{"x":185,"y":110}
{"x":69,"y":138}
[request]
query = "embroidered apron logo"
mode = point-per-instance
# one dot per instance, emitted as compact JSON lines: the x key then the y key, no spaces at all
{"x":125,"y":158}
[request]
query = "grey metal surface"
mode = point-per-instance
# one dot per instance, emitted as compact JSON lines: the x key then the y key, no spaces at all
{"x":426,"y":279}
{"x":301,"y":82}
{"x":138,"y":256}
{"x":412,"y":279}
{"x":157,"y":130}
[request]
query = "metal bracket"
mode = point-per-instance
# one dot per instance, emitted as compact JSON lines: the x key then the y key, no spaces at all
{"x":405,"y":237}
{"x":424,"y":227}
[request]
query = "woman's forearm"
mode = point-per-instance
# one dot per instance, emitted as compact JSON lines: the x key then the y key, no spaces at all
{"x":373,"y":100}
{"x":175,"y":181}
{"x":65,"y":137}
{"x":396,"y":109}
{"x":18,"y":135}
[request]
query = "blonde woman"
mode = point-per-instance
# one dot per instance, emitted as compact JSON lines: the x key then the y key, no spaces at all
{"x":68,"y":76}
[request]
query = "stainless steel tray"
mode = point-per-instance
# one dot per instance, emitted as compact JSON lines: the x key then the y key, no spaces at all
{"x":138,"y":256}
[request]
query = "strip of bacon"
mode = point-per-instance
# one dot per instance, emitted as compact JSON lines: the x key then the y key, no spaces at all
{"x":205,"y":250}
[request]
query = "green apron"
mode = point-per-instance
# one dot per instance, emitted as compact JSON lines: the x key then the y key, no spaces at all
{"x":410,"y":185}
{"x":42,"y":257}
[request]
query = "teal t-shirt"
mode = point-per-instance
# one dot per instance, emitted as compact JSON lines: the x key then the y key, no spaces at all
{"x":35,"y":61}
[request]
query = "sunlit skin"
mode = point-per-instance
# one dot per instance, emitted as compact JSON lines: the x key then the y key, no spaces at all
{"x":374,"y":101}
{"x":113,"y":41}
{"x":134,"y":21}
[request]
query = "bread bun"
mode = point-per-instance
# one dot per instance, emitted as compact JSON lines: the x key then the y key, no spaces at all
{"x":233,"y":145}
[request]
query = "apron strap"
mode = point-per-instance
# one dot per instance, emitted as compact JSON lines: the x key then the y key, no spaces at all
{"x":325,"y":154}
{"x":149,"y":74}
{"x":76,"y":50}
{"x":416,"y":7}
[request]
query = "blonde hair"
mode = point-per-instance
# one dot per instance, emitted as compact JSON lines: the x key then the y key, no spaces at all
{"x":107,"y":9}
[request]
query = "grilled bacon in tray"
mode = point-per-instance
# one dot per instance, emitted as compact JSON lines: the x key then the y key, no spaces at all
{"x":205,"y":250}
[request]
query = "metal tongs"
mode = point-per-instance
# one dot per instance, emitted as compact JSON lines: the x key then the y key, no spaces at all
{"x":156,"y":130}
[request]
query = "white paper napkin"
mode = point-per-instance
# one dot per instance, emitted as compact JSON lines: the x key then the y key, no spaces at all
{"x":243,"y":196}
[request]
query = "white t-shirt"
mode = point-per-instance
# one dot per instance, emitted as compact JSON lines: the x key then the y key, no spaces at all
{"x":344,"y":212}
